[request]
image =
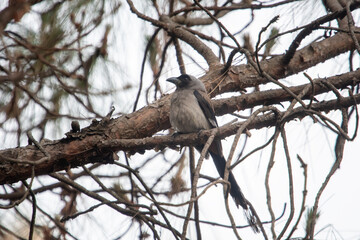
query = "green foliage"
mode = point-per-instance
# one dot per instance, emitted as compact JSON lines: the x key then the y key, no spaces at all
{"x":310,"y":220}
{"x":152,"y":51}
{"x":269,"y":46}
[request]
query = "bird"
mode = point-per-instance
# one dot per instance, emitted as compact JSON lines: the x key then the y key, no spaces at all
{"x":191,"y":111}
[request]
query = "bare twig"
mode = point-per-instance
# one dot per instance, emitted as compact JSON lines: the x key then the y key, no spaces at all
{"x":302,"y":207}
{"x":148,"y":190}
{"x":195,"y":180}
{"x":267,"y":180}
{"x":274,"y":19}
{"x":179,"y":56}
{"x":352,"y":25}
{"x":17,"y":202}
{"x":128,"y":212}
{"x":148,"y":45}
{"x":90,"y":209}
{"x":253,"y":151}
{"x":231,"y":218}
{"x":291,"y":183}
{"x":34,"y":206}
{"x":312,"y":26}
{"x":196,"y":203}
{"x":339,"y":150}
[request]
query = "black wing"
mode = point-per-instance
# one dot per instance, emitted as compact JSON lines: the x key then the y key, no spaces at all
{"x":205,"y":105}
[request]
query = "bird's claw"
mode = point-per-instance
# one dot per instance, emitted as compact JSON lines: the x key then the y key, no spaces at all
{"x":175,"y":134}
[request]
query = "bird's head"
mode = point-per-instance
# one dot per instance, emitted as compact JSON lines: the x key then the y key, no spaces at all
{"x":186,"y":81}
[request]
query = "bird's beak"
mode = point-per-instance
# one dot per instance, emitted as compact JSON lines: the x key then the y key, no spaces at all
{"x":173,"y":80}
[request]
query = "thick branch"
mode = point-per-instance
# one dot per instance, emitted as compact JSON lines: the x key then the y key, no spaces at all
{"x":244,"y":76}
{"x":153,"y":118}
{"x":244,"y":101}
{"x":178,"y":31}
{"x":312,"y":26}
{"x":66,"y":154}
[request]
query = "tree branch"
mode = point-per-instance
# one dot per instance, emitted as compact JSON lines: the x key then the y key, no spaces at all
{"x":70,"y":153}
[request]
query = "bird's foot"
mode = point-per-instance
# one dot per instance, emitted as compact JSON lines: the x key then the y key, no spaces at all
{"x":176,"y":134}
{"x":199,"y":133}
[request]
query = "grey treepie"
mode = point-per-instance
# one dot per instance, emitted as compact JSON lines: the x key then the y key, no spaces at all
{"x":191,"y":111}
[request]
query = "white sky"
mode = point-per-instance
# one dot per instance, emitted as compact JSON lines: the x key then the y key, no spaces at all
{"x":339,"y":204}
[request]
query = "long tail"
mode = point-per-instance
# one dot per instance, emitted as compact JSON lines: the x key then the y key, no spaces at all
{"x":235,"y":190}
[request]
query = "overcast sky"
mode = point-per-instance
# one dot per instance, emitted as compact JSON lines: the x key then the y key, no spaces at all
{"x":339,"y":204}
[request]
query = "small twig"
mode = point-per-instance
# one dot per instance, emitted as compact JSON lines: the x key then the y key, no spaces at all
{"x":187,"y":36}
{"x":274,"y":19}
{"x":148,"y":190}
{"x":333,"y":88}
{"x":302,"y":208}
{"x":191,"y":200}
{"x":132,"y":183}
{"x":148,"y":45}
{"x":239,"y":48}
{"x":37,"y":144}
{"x":231,"y":218}
{"x":156,"y":77}
{"x":259,"y":223}
{"x":236,"y":140}
{"x":17,"y":202}
{"x":229,"y":61}
{"x":220,"y":45}
{"x":32,"y":222}
{"x":287,"y":89}
{"x":219,"y":23}
{"x":166,"y":173}
{"x":233,"y":6}
{"x":252,"y":152}
{"x":351,"y":26}
{"x":112,"y":109}
{"x":126,"y":202}
{"x":103,"y":187}
{"x":312,"y":26}
{"x":356,"y":115}
{"x":179,"y":56}
{"x":240,"y":131}
{"x":212,"y":223}
{"x":196,"y":203}
{"x":291,"y":183}
{"x":339,"y":150}
{"x":128,"y":212}
{"x":341,"y":99}
{"x":351,"y":60}
{"x":66,"y":218}
{"x":247,"y":24}
{"x":57,"y":223}
{"x":5,"y":229}
{"x":327,"y":120}
{"x":312,"y":89}
{"x":195,"y":180}
{"x":298,"y":99}
{"x":14,"y":160}
{"x":228,"y":164}
{"x":267,"y":185}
